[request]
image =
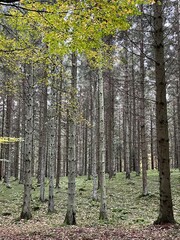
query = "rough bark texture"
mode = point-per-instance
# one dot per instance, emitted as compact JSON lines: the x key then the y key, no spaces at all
{"x":166,"y":208}
{"x":142,"y":110}
{"x":42,"y":143}
{"x":17,"y":144}
{"x":93,"y":140}
{"x":70,"y":218}
{"x":23,"y":119}
{"x":7,"y":134}
{"x":178,"y":85}
{"x":103,"y":204}
{"x":2,"y":134}
{"x":51,"y":149}
{"x":26,"y":208}
{"x":126,"y":120}
{"x":59,"y":153}
{"x":152,"y":143}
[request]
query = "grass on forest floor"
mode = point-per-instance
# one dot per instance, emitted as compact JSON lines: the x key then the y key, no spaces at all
{"x":125,"y":205}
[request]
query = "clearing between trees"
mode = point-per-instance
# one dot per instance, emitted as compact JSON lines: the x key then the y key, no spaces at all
{"x":130,"y":216}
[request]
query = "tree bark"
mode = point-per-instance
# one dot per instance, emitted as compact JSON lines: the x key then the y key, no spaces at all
{"x":59,"y":153}
{"x":51,"y":148}
{"x":26,"y":208}
{"x":7,"y":134}
{"x":103,"y":204}
{"x":142,"y":113}
{"x":166,"y":207}
{"x":70,"y":218}
{"x":2,"y":134}
{"x":16,"y":150}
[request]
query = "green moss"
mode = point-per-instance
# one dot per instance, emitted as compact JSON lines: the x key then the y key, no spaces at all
{"x":125,"y":207}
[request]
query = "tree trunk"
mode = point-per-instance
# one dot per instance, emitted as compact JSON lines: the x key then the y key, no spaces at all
{"x":126,"y":120}
{"x":70,"y":218}
{"x":58,"y":173}
{"x":16,"y":150}
{"x":103,"y":204}
{"x":7,"y":146}
{"x":42,"y":143}
{"x":26,"y":208}
{"x":166,"y":207}
{"x":2,"y":134}
{"x":23,"y":120}
{"x":142,"y":114}
{"x":94,"y":139}
{"x":178,"y":84}
{"x":51,"y":148}
{"x":152,"y":143}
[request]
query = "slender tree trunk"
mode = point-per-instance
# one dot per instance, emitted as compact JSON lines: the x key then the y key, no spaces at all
{"x":23,"y":123}
{"x":51,"y":149}
{"x":103,"y":204}
{"x":178,"y":84}
{"x":43,"y":141}
{"x":16,"y":151}
{"x":152,"y":143}
{"x":110,"y":124}
{"x":7,"y":146}
{"x":174,"y":139}
{"x":26,"y":208}
{"x":134,"y":128}
{"x":70,"y":218}
{"x":86,"y":140}
{"x":126,"y":120}
{"x":142,"y":114}
{"x":67,"y":143}
{"x":94,"y":139}
{"x":58,"y":173}
{"x":2,"y":134}
{"x":166,"y":207}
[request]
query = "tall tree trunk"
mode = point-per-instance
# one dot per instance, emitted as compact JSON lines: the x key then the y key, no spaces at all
{"x":152,"y":142}
{"x":42,"y":143}
{"x":59,"y":153}
{"x":126,"y":119}
{"x":7,"y":134}
{"x":23,"y":123}
{"x":178,"y":83}
{"x":103,"y":204}
{"x":2,"y":134}
{"x":166,"y":207}
{"x":26,"y":208}
{"x":16,"y":150}
{"x":70,"y":218}
{"x":134,"y":128}
{"x":51,"y":149}
{"x":142,"y":114}
{"x":67,"y":145}
{"x":110,"y":124}
{"x":94,"y":139}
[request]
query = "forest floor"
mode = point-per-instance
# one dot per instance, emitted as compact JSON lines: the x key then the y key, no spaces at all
{"x":130,"y":216}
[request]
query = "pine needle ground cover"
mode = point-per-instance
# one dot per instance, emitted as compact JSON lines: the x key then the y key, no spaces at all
{"x":130,"y":214}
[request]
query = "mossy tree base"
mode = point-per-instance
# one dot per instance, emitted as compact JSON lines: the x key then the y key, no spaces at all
{"x":164,"y":220}
{"x":103,"y":216}
{"x":70,"y":218}
{"x":26,"y":215}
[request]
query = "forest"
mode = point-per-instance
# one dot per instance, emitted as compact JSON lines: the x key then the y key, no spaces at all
{"x":90,"y":119}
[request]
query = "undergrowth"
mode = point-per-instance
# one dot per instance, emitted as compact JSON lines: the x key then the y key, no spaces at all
{"x":126,"y":206}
